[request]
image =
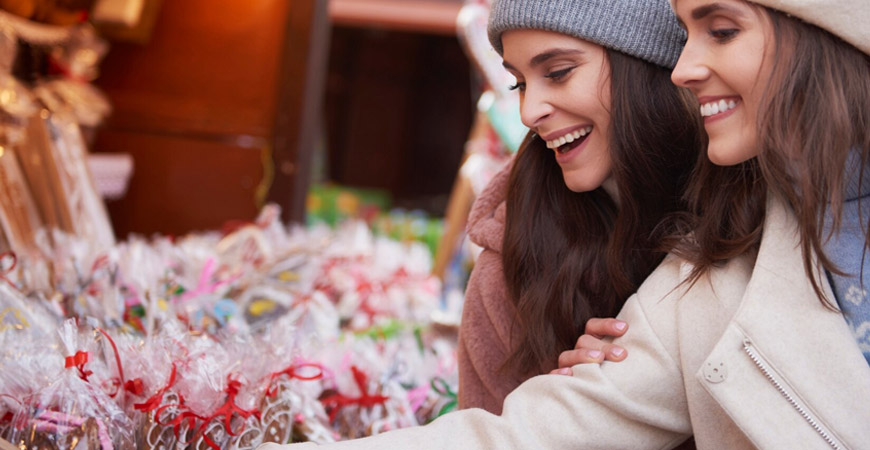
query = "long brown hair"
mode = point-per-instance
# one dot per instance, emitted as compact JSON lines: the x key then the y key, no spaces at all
{"x":815,"y":110}
{"x":571,"y":256}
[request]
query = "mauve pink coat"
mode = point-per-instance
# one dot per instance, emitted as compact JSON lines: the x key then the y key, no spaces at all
{"x":484,"y":334}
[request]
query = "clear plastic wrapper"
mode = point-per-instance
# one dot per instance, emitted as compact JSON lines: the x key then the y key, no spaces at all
{"x":28,"y":362}
{"x":70,"y":412}
{"x":289,"y":406}
{"x":203,"y":349}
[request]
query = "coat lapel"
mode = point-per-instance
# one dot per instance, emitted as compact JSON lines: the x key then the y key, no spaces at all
{"x":807,"y":347}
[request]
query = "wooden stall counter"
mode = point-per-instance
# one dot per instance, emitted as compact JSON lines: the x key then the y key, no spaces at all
{"x":420,"y":16}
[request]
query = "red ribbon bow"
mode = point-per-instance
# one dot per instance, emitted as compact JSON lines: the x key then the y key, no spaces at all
{"x":227,"y":411}
{"x":8,"y":270}
{"x":78,"y":361}
{"x":338,"y":401}
{"x":135,"y":386}
{"x":188,"y":417}
{"x":291,"y":372}
{"x":154,"y":401}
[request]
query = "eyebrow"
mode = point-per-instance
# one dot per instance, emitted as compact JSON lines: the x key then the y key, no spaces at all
{"x":547,"y":55}
{"x":704,"y":11}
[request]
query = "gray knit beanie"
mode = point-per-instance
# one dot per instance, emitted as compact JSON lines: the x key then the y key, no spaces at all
{"x":646,"y":29}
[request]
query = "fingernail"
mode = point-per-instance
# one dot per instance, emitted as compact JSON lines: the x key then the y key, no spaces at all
{"x":619,"y":325}
{"x":566,"y":371}
{"x":594,"y":354}
{"x":617,"y":352}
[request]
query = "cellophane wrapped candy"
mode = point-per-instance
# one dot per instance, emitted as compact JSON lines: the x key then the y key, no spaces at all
{"x":224,"y":341}
{"x":70,"y":412}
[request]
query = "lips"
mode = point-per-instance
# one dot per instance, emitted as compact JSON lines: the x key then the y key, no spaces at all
{"x":569,"y":140}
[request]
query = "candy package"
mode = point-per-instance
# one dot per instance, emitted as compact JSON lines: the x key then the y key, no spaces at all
{"x":71,"y":412}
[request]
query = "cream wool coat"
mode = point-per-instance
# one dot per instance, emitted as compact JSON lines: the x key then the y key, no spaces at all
{"x":692,"y":369}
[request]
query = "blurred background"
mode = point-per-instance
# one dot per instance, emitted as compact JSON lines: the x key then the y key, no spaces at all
{"x":199,"y":114}
{"x":221,"y":193}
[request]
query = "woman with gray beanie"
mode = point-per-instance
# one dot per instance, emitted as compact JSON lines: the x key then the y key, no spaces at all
{"x":750,"y":335}
{"x":571,"y":228}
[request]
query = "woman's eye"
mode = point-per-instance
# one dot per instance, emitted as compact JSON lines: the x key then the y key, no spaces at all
{"x":723,"y":34}
{"x":559,"y":74}
{"x":520,"y":85}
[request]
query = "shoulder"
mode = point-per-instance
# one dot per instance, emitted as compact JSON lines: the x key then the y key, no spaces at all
{"x":669,"y":303}
{"x":652,"y":311}
{"x":487,"y":216}
{"x":662,"y":282}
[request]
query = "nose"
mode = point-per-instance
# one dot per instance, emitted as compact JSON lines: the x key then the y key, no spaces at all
{"x":691,"y":68}
{"x":535,"y":107}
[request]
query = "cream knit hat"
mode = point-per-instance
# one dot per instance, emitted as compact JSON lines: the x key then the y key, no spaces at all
{"x":848,"y":19}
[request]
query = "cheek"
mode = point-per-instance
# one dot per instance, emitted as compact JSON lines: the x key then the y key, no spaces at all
{"x":750,"y":77}
{"x":594,"y":170}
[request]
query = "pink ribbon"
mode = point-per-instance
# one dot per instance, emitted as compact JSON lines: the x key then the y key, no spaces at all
{"x":205,"y":286}
{"x":55,"y":422}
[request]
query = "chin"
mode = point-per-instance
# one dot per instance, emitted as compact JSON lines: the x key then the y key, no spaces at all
{"x":579,"y":184}
{"x":728,"y":159}
{"x":731,"y":155}
{"x":719,"y":159}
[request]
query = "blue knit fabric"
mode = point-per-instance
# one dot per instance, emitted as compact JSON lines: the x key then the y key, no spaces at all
{"x":846,"y":250}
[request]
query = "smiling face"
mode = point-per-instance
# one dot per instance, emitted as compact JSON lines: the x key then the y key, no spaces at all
{"x":726,"y":63}
{"x":564,"y":86}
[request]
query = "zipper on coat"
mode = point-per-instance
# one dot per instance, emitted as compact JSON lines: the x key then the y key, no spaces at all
{"x":753,"y":355}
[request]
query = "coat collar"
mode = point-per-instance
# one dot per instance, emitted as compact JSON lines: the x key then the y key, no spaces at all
{"x":486,"y":220}
{"x":808,"y":344}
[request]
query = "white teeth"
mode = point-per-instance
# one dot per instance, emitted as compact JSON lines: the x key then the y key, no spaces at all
{"x":570,"y":137}
{"x":713,"y":108}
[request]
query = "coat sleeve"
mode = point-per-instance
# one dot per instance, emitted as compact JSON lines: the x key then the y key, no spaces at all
{"x":638,"y":403}
{"x":484,"y":338}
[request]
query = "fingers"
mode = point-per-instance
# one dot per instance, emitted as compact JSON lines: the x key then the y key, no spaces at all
{"x":571,"y":358}
{"x":591,"y":349}
{"x":605,"y":327}
{"x":610,"y":352}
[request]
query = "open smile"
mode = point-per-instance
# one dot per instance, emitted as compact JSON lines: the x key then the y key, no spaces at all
{"x":569,"y":141}
{"x":718,"y":108}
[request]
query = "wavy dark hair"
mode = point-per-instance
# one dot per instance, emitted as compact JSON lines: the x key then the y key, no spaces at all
{"x":815,"y":110}
{"x":572,"y":256}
